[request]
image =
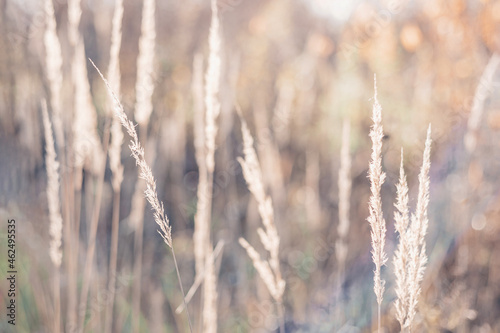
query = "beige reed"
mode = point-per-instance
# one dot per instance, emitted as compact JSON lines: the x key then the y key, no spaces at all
{"x":418,"y":229}
{"x":376,"y":218}
{"x":53,"y":65}
{"x":137,"y":150}
{"x":345,"y":184}
{"x":115,"y":164}
{"x":402,"y":253}
{"x":56,"y":221}
{"x":410,"y":257}
{"x":268,"y":270}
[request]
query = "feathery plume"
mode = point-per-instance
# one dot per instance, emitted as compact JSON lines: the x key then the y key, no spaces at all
{"x":56,"y":222}
{"x":418,"y":230}
{"x":402,"y":256}
{"x":53,"y":65}
{"x":212,"y":77}
{"x":145,"y":171}
{"x":274,"y":286}
{"x":144,"y":85}
{"x":376,"y":218}
{"x":86,"y":145}
{"x":53,"y":191}
{"x":269,"y":237}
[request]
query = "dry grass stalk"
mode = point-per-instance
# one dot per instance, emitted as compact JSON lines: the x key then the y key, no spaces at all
{"x":114,"y":159}
{"x":56,"y":222}
{"x":269,"y":270}
{"x":376,"y":218}
{"x":143,"y":109}
{"x":86,"y":144}
{"x":74,"y":15}
{"x":53,"y":192}
{"x":146,"y":174}
{"x":418,"y":229}
{"x":402,"y":255}
{"x":144,"y":85}
{"x":410,"y":257}
{"x":204,"y":209}
{"x":212,"y":79}
{"x":145,"y":171}
{"x":345,"y":184}
{"x":482,"y":92}
{"x":210,"y":294}
{"x":201,"y":225}
{"x":53,"y":64}
{"x":114,"y":81}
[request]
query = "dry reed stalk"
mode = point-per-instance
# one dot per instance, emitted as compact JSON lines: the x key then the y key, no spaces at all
{"x":210,"y":293}
{"x":114,"y":160}
{"x":143,"y":109}
{"x":376,"y":218}
{"x":73,"y":182}
{"x":268,"y":270}
{"x":86,"y":144}
{"x":56,"y":222}
{"x":402,"y":255}
{"x":201,"y":225}
{"x":345,"y":185}
{"x":145,"y":173}
{"x":212,"y":110}
{"x":482,"y":92}
{"x":145,"y":61}
{"x":212,"y":79}
{"x":418,"y":230}
{"x":53,"y":65}
{"x":74,"y":15}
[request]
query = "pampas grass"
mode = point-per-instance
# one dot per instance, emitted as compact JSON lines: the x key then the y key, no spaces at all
{"x":410,"y":257}
{"x":376,"y":218}
{"x":401,"y":256}
{"x":419,"y":224}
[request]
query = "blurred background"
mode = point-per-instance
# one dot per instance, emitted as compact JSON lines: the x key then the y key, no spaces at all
{"x":298,"y":69}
